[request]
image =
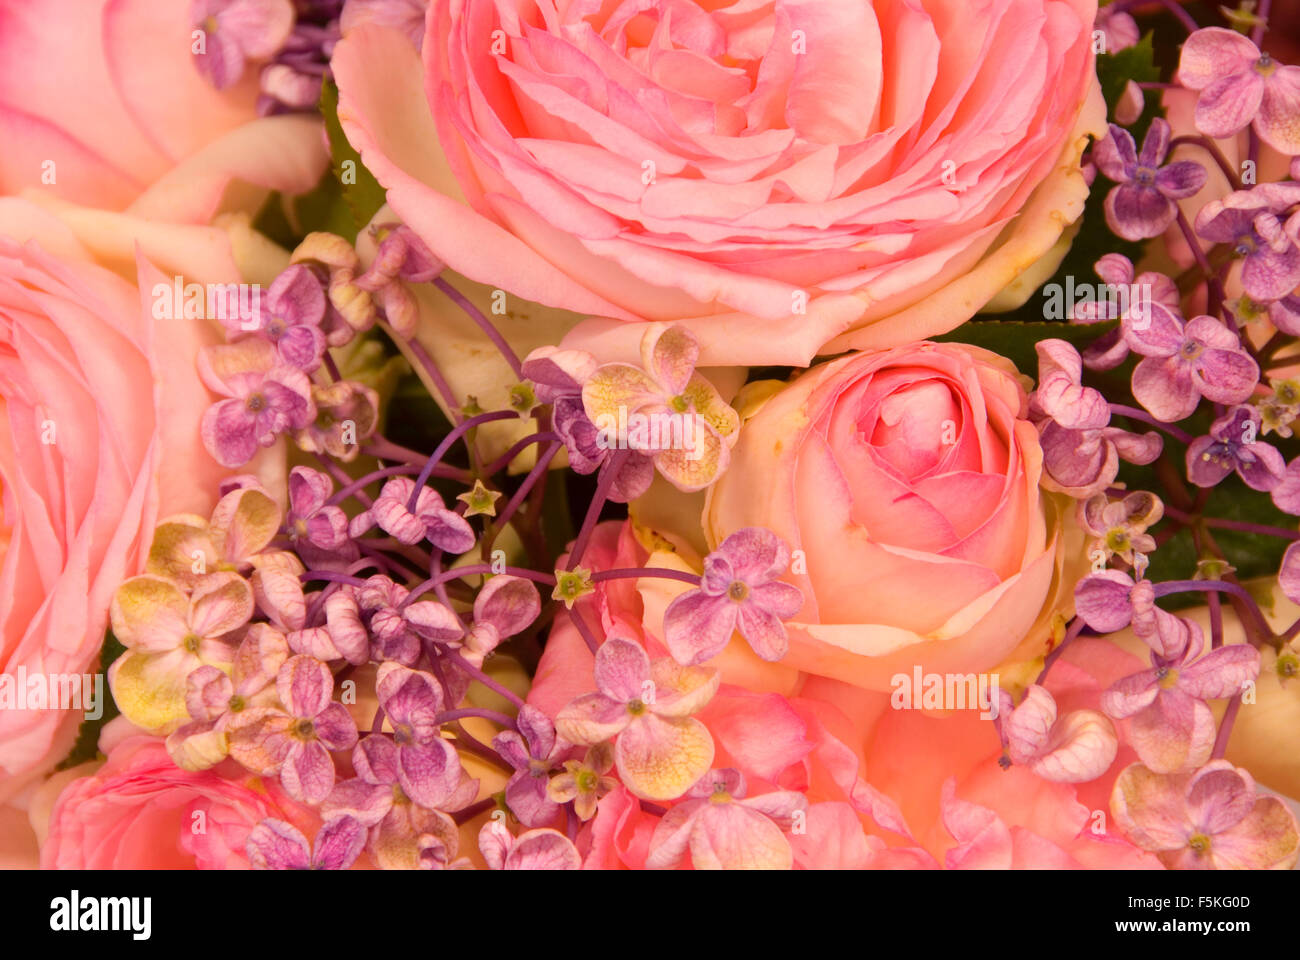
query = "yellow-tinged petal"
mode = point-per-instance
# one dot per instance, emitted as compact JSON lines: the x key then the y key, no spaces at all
{"x":695,"y":469}
{"x":182,"y":550}
{"x":708,"y":403}
{"x":661,"y":759}
{"x":681,"y":691}
{"x":150,"y":613}
{"x":669,"y":353}
{"x":243,"y":522}
{"x":618,"y":386}
{"x":149,"y":688}
{"x":198,"y":751}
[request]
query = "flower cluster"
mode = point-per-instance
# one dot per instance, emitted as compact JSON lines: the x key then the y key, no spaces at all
{"x":562,"y":581}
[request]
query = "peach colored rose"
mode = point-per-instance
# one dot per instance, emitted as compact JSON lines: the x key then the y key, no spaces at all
{"x":112,"y":113}
{"x":99,"y":438}
{"x":906,"y":483}
{"x":140,"y":811}
{"x":781,"y":176}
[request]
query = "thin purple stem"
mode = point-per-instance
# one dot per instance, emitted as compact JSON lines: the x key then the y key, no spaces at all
{"x":341,"y":477}
{"x":367,"y":480}
{"x":439,"y":382}
{"x":538,"y":471}
{"x":608,"y":472}
{"x":1261,"y":23}
{"x":1133,"y":413}
{"x":464,"y":816}
{"x":484,"y":323}
{"x":483,"y":678}
{"x":1225,"y":728}
{"x":634,"y":573}
{"x":503,"y":461}
{"x":474,"y":569}
{"x":1183,"y":586}
{"x":587,"y":636}
{"x":332,"y":576}
{"x":498,"y":718}
{"x":441,"y":450}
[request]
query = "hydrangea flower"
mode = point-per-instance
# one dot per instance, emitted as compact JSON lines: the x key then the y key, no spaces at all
{"x":291,"y":83}
{"x":1120,"y":526}
{"x":404,"y":833}
{"x":542,"y":849}
{"x":1250,"y":221}
{"x":427,"y":766}
{"x":660,"y":750}
{"x":1182,"y":362}
{"x":335,"y":263}
{"x":167,"y":635}
{"x":347,"y":413}
{"x":445,"y":529}
{"x":186,"y":548}
{"x":1076,"y":748}
{"x":724,"y":829}
{"x":667,"y":387}
{"x":1109,"y":600}
{"x":212,"y":697}
{"x":294,"y":742}
{"x":1118,"y":27}
{"x":379,"y":611}
{"x":584,"y":781}
{"x":1233,"y":445}
{"x":289,"y":315}
{"x":1211,"y":819}
{"x":1081,"y":451}
{"x":1156,"y":293}
{"x":236,"y":31}
{"x":531,"y":751}
{"x":738,"y":591}
{"x":312,"y":523}
{"x":265,"y":398}
{"x":277,"y":845}
{"x":1142,"y":205}
{"x":1239,"y":86}
{"x":504,"y":606}
{"x":1169,"y":723}
{"x":558,"y":376}
{"x":401,"y":256}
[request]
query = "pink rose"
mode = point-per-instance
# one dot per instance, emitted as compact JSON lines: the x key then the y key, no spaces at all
{"x":101,"y":408}
{"x":906,"y":483}
{"x":140,"y":811}
{"x":113,"y":113}
{"x":785,"y":178}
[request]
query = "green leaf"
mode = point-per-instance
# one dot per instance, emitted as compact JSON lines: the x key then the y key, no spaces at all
{"x":360,"y":191}
{"x":1015,"y":339}
{"x":86,"y":747}
{"x":1136,"y":63}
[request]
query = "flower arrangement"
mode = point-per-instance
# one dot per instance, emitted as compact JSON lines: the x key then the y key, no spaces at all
{"x":558,"y":435}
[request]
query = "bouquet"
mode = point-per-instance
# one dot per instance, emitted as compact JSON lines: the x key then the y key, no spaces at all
{"x":813,"y":434}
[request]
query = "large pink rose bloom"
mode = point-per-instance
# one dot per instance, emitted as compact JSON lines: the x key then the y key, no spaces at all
{"x":906,"y":482}
{"x":779,"y":176}
{"x":101,"y":104}
{"x":139,"y":811}
{"x":99,"y":416}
